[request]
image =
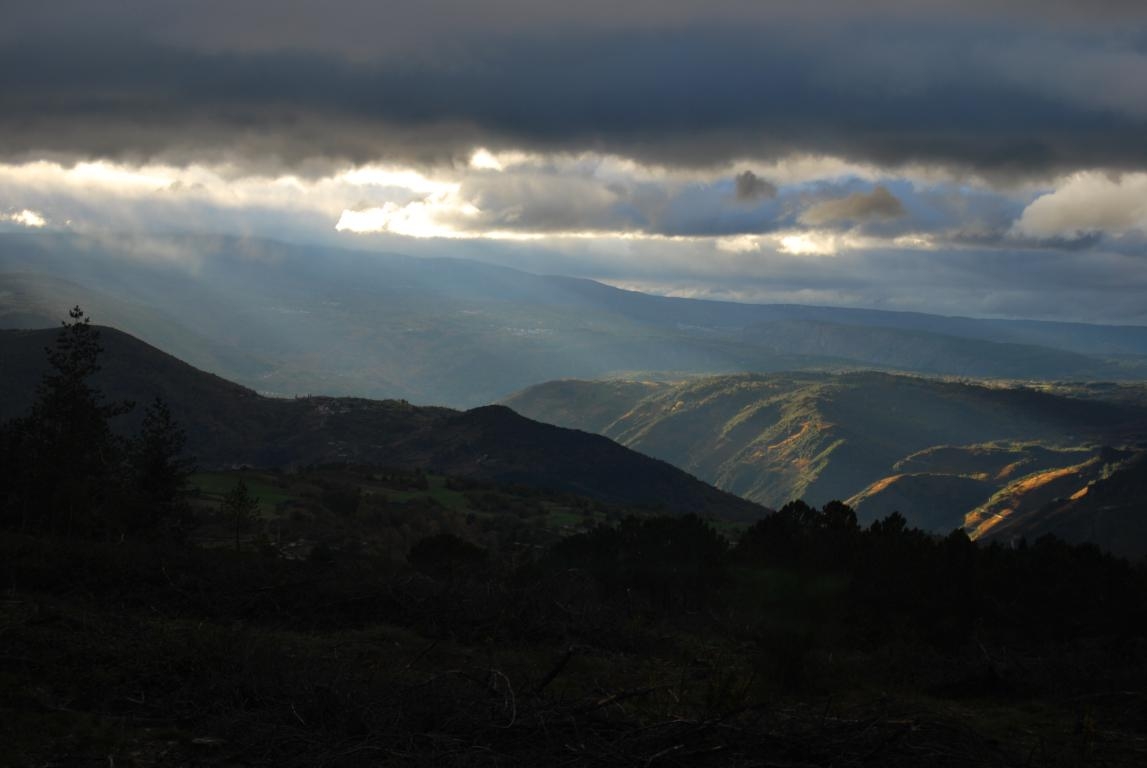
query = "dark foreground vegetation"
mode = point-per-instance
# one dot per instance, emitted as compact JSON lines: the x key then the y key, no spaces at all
{"x":350,"y":615}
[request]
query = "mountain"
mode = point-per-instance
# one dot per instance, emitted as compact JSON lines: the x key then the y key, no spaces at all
{"x":1002,"y":513}
{"x":940,"y":486}
{"x":1106,"y":506}
{"x":934,"y":502}
{"x":230,"y":425}
{"x":931,"y":449}
{"x":32,"y":301}
{"x":302,"y":319}
{"x":921,"y":351}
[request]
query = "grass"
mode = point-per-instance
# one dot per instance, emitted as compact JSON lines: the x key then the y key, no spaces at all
{"x":264,"y":486}
{"x":561,"y":518}
{"x":443,"y":496}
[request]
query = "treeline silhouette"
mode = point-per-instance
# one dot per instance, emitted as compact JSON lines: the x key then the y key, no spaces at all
{"x":838,"y":583}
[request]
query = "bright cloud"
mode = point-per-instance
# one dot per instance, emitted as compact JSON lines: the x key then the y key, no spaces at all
{"x":27,"y":218}
{"x":739,"y":244}
{"x":1088,"y":203}
{"x":768,"y":230}
{"x":400,"y":178}
{"x":483,"y":159}
{"x":811,"y":243}
{"x":419,"y":219}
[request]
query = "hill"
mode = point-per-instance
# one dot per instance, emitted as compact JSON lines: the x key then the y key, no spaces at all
{"x":940,"y":486}
{"x":230,"y":425}
{"x":931,"y":449}
{"x":921,"y":351}
{"x":298,"y":319}
{"x":934,"y":502}
{"x":1105,"y":504}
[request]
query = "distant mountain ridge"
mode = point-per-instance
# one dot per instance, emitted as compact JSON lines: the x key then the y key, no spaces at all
{"x":231,"y":425}
{"x":296,"y":319}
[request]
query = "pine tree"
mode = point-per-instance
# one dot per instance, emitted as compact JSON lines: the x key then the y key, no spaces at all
{"x":159,"y":468}
{"x":63,"y":463}
{"x":241,"y":507}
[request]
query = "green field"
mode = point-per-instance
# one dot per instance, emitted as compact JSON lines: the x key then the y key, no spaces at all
{"x":265,"y":486}
{"x":446,"y":497}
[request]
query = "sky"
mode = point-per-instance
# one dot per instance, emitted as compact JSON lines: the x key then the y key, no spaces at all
{"x":974,"y":157}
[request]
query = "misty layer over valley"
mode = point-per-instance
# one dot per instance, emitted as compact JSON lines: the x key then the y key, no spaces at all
{"x":296,"y":320}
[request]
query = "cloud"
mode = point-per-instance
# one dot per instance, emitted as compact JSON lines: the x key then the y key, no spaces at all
{"x":858,"y":207}
{"x":1110,"y":78}
{"x":505,"y":196}
{"x":1086,"y":204}
{"x":677,"y":87}
{"x":751,"y":187}
{"x":602,"y":216}
{"x":26,"y":218}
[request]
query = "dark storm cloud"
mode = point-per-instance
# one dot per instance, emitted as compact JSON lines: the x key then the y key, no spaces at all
{"x":889,"y":91}
{"x":750,"y":186}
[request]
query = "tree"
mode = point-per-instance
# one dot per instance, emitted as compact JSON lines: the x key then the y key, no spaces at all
{"x":838,"y":516}
{"x":676,"y":561}
{"x":241,"y":507}
{"x":159,"y":467}
{"x":62,"y":458}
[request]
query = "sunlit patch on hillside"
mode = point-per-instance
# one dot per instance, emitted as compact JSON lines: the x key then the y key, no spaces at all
{"x":1010,"y":470}
{"x":1016,"y":496}
{"x":806,"y":427}
{"x":1032,"y":482}
{"x":977,"y":524}
{"x":879,"y":486}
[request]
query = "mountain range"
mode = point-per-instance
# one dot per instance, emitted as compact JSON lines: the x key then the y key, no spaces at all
{"x":297,"y":319}
{"x":980,"y":423}
{"x":946,"y":454}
